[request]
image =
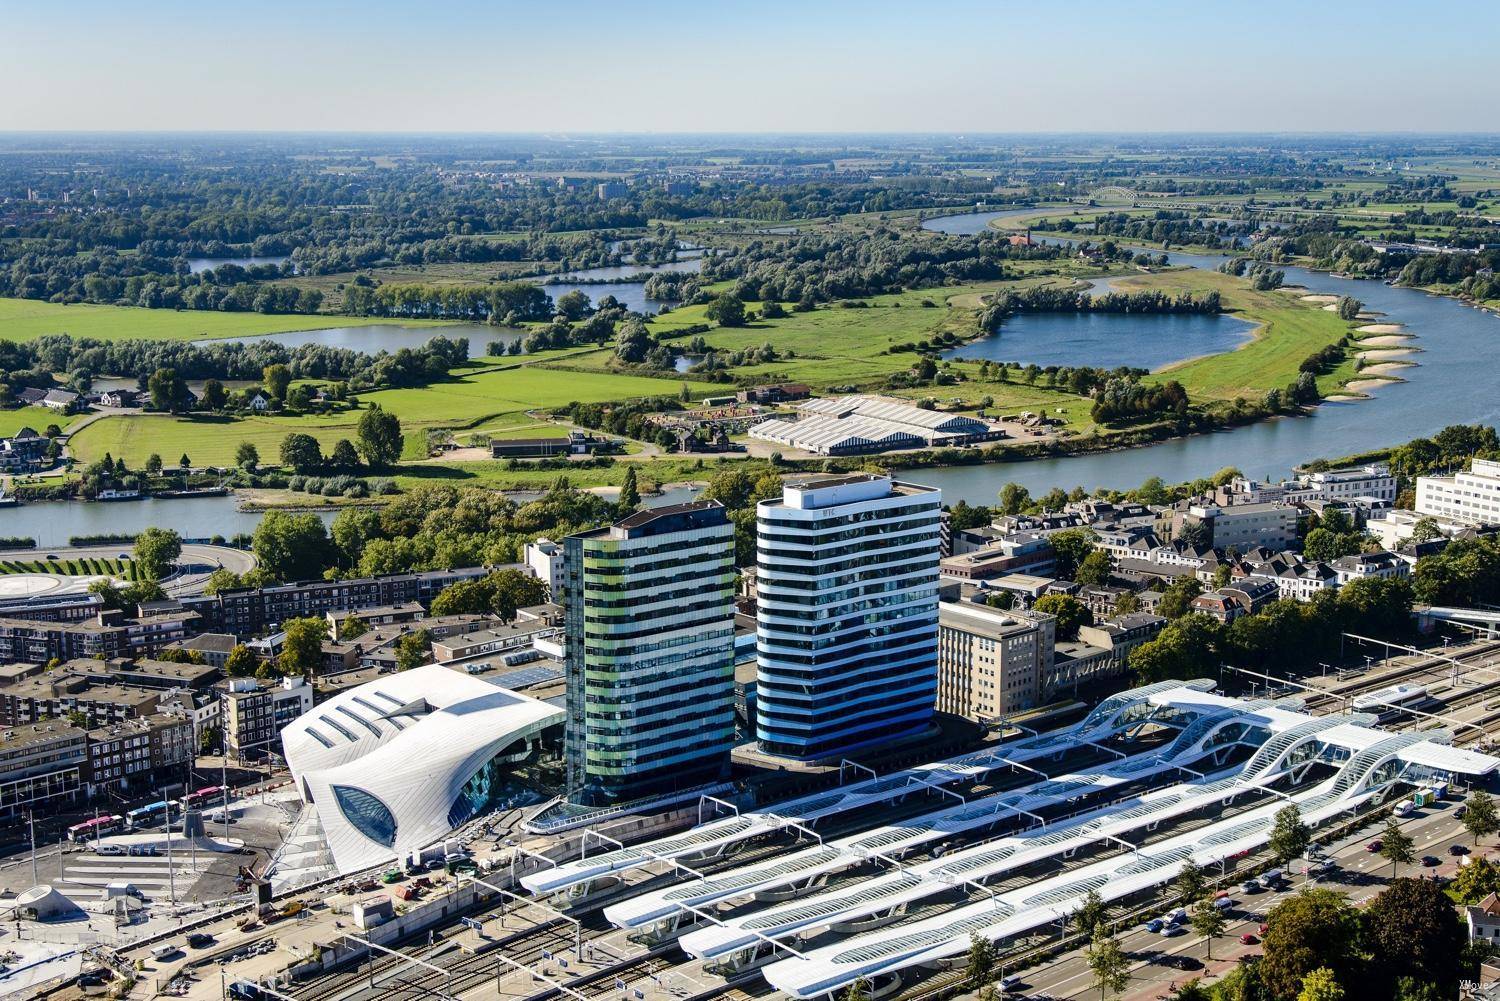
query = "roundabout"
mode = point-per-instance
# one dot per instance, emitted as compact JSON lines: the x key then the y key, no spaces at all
{"x":189,"y":574}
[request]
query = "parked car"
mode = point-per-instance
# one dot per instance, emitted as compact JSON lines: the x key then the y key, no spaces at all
{"x":109,"y":850}
{"x":1431,"y":861}
{"x":1250,"y":886}
{"x":1462,"y":809}
{"x":1374,"y":846}
{"x":1248,"y":939}
{"x":1458,"y":850}
{"x":1223,"y":903}
{"x":1262,"y":928}
{"x":1010,"y":984}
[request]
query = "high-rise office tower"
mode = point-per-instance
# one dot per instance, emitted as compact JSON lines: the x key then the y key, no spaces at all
{"x":649,"y":614}
{"x":846,"y":631}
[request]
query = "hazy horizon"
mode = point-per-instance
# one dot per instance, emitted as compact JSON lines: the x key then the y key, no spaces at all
{"x":672,"y":67}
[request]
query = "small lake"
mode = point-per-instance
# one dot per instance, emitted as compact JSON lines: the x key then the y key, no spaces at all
{"x":596,"y":283}
{"x":373,"y":337}
{"x":197,"y":265}
{"x":1452,"y":384}
{"x":1107,"y":340}
{"x":970,"y":223}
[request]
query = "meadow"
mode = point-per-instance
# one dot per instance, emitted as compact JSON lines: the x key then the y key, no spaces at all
{"x":27,"y":319}
{"x":486,"y":395}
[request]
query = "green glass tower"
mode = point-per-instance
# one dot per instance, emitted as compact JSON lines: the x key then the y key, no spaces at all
{"x":649,"y":614}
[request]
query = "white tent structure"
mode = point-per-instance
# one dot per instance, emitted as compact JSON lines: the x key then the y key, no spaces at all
{"x":397,"y":763}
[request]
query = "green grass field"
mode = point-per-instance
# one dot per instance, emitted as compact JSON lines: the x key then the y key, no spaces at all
{"x":26,"y":319}
{"x":1289,"y":330}
{"x":36,"y":418}
{"x":69,"y":568}
{"x":489,"y":395}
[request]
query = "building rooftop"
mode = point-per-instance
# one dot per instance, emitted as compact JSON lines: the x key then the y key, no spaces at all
{"x":15,"y":738}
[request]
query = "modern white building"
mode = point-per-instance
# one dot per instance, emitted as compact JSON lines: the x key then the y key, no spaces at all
{"x":1372,"y":480}
{"x":846,"y":628}
{"x":394,"y":765}
{"x":1471,"y":498}
{"x":544,"y":559}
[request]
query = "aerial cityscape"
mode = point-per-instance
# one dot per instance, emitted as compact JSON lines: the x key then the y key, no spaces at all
{"x":819,"y":502}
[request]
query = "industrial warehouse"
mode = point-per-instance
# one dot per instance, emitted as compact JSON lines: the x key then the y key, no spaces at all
{"x":855,"y":425}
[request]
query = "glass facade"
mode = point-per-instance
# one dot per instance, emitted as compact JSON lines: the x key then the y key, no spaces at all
{"x":847,"y":580}
{"x":368,"y":814}
{"x":649,"y":617}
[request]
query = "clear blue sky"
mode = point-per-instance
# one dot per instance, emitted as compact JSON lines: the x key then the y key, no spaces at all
{"x":770,"y":65}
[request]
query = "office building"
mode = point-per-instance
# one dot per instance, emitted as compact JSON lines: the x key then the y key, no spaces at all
{"x":649,"y":625}
{"x":42,"y":765}
{"x":847,"y":588}
{"x":254,"y":714}
{"x":991,"y":661}
{"x":1469,"y":498}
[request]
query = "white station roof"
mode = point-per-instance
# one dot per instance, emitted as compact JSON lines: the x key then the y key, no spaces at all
{"x":387,"y":784}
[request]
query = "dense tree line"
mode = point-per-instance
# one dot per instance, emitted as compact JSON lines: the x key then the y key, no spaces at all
{"x":505,"y":302}
{"x":1164,"y":226}
{"x":1060,"y":299}
{"x":31,"y":363}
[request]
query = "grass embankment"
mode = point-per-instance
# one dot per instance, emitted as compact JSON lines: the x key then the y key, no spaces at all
{"x":1287,"y":332}
{"x":27,"y":319}
{"x":483,"y":395}
{"x":123,"y":569}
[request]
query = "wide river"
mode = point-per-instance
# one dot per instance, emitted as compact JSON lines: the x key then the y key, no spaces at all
{"x":54,"y":522}
{"x":1454,"y":383}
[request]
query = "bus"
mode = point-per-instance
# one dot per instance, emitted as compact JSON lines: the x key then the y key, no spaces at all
{"x":151,"y":814}
{"x":199,"y":798}
{"x":96,"y":828}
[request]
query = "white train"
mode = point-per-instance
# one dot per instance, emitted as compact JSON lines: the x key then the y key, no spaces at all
{"x":1389,"y":701}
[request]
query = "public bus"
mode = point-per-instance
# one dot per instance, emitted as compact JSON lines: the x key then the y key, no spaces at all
{"x":151,"y":814}
{"x":96,"y":828}
{"x":199,"y":798}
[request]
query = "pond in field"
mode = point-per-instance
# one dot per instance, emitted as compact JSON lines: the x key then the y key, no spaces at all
{"x":1107,"y":340}
{"x":1453,"y":383}
{"x":374,"y":337}
{"x":596,"y":283}
{"x":200,"y":264}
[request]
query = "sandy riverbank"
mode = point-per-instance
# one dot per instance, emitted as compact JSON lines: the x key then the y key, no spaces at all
{"x":1380,"y":328}
{"x":1386,"y":341}
{"x":1386,"y":355}
{"x":1321,"y":298}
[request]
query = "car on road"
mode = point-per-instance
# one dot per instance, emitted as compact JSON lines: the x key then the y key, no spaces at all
{"x":109,"y":850}
{"x":1459,"y":813}
{"x":1262,"y":928}
{"x":1456,"y":850}
{"x":1154,"y":925}
{"x":1249,"y":939}
{"x":1010,"y":984}
{"x":163,"y":951}
{"x":1168,"y":931}
{"x":1223,"y":903}
{"x":1374,"y":846}
{"x":200,"y":940}
{"x":1431,"y":861}
{"x":1322,"y":867}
